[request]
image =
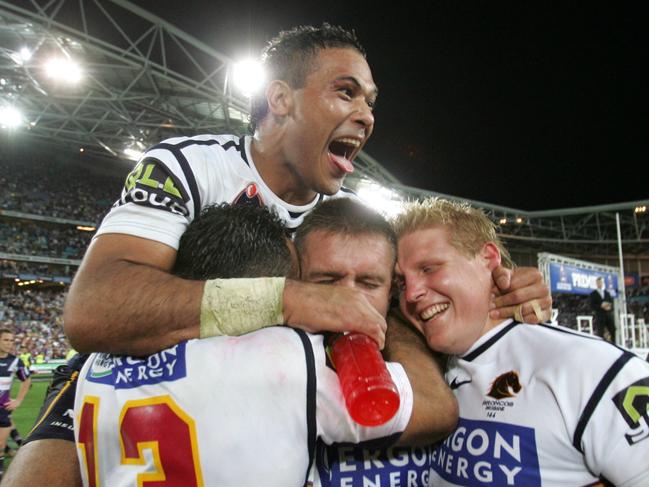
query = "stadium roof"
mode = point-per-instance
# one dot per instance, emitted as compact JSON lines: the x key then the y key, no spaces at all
{"x":145,"y":80}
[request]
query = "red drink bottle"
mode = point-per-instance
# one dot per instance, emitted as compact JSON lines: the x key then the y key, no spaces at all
{"x":370,"y":394}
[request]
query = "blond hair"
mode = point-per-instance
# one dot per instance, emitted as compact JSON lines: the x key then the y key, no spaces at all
{"x":469,"y":228}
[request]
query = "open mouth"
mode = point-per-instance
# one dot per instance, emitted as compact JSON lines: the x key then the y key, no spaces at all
{"x":341,"y":152}
{"x":433,"y":311}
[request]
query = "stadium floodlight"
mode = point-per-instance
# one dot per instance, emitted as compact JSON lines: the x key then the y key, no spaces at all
{"x":382,"y":199}
{"x":10,"y":117}
{"x":248,"y":76}
{"x":25,"y":54}
{"x":133,"y":154}
{"x":64,"y":70}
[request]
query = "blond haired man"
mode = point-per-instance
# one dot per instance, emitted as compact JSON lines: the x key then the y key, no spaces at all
{"x":531,"y":412}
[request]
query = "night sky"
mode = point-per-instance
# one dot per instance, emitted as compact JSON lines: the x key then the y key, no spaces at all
{"x":531,"y":105}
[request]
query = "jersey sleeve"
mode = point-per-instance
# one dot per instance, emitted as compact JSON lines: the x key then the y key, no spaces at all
{"x":22,"y":372}
{"x":615,"y":438}
{"x":162,"y":194}
{"x":335,"y":425}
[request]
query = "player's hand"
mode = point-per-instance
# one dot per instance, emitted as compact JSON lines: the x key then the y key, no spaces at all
{"x":12,"y":404}
{"x":324,"y":307}
{"x":519,"y":287}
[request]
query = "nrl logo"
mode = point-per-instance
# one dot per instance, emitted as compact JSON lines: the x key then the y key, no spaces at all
{"x":633,"y":404}
{"x":249,"y":196}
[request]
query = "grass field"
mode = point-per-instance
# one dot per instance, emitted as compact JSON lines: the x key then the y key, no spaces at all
{"x":25,"y":416}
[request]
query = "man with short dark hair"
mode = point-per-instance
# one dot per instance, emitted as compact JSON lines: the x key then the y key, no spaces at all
{"x":10,"y":367}
{"x":313,"y":118}
{"x":343,"y":243}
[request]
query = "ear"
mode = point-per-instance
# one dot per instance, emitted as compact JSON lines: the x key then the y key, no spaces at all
{"x":490,"y":254}
{"x":279,"y":97}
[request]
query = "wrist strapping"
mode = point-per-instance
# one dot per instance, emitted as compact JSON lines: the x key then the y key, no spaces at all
{"x":237,"y":306}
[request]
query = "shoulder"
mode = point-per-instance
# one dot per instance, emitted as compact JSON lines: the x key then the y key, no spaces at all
{"x":566,"y":346}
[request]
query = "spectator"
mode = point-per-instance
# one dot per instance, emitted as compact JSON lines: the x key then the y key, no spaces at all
{"x":601,"y":304}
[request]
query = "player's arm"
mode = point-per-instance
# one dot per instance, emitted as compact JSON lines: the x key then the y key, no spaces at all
{"x":435,"y":410}
{"x":22,"y":392}
{"x":521,"y":286}
{"x":45,"y":462}
{"x":124,"y":300}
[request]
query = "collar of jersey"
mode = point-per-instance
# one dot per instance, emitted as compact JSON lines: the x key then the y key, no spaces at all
{"x":488,"y":339}
{"x":268,"y":193}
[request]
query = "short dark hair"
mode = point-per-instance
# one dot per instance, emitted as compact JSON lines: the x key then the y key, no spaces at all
{"x":6,"y":330}
{"x":345,"y":216}
{"x":234,"y":241}
{"x":288,"y":57}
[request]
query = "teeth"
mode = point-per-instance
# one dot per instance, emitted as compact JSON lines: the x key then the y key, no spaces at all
{"x":347,"y":141}
{"x":433,"y":310}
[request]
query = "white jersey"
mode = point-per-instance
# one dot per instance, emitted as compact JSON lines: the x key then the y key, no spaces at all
{"x":546,"y":406}
{"x":182,"y":414}
{"x":175,"y":179}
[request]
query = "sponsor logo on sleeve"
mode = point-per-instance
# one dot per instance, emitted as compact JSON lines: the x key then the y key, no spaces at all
{"x":347,"y":465}
{"x":488,"y":453}
{"x":151,"y":184}
{"x":123,"y":372}
{"x":633,"y":404}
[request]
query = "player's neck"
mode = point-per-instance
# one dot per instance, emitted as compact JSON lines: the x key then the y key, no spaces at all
{"x":4,"y":354}
{"x":268,"y":157}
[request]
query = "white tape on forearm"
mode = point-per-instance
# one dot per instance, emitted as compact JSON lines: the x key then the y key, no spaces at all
{"x":237,"y":306}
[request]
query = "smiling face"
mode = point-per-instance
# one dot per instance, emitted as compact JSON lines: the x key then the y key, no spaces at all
{"x":364,"y":262}
{"x":444,"y":292}
{"x":330,"y":120}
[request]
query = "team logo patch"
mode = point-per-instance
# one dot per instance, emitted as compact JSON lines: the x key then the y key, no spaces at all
{"x":488,"y":453}
{"x":505,"y":385}
{"x":633,"y":404}
{"x":123,"y":372}
{"x":249,"y":196}
{"x":151,"y":184}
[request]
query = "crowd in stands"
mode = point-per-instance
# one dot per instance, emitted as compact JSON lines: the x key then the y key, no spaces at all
{"x":13,"y":268}
{"x":41,"y":187}
{"x":36,"y":238}
{"x":570,"y":306}
{"x":35,"y":317}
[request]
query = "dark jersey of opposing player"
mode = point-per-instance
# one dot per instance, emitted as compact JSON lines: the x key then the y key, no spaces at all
{"x":10,"y":367}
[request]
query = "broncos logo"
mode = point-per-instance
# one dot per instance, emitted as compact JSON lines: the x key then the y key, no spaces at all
{"x":505,"y":385}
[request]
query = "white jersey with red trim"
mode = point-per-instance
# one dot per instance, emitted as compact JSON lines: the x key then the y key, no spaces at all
{"x":175,"y":179}
{"x":546,"y":406}
{"x":183,"y":415}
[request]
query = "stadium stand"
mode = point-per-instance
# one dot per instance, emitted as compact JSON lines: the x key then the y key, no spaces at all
{"x":48,"y":210}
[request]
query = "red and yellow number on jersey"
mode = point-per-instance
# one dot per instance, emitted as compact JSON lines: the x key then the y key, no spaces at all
{"x":173,"y":447}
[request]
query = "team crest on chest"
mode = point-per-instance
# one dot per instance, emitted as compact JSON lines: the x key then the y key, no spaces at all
{"x":503,"y":387}
{"x":249,"y":196}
